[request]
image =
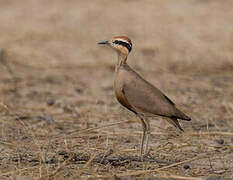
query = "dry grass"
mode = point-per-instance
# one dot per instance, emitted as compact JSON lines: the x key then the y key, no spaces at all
{"x":58,"y":115}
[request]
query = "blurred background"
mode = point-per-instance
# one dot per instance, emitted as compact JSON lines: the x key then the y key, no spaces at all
{"x":55,"y":79}
{"x":187,"y":35}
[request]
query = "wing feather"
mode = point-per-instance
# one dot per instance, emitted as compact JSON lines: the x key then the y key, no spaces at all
{"x":145,"y":97}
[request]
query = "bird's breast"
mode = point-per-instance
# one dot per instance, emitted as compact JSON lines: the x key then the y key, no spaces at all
{"x":118,"y":84}
{"x":118,"y":88}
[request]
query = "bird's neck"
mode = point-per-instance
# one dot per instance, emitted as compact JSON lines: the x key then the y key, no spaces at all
{"x":121,"y":60}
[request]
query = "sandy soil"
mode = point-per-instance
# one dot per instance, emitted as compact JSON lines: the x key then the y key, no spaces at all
{"x":59,"y":118}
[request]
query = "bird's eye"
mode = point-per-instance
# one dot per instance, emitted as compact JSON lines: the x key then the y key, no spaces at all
{"x":116,"y":42}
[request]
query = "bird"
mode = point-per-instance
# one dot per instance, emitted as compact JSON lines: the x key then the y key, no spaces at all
{"x":138,"y":95}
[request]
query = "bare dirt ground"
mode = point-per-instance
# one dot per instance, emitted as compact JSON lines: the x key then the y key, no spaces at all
{"x":59,"y":118}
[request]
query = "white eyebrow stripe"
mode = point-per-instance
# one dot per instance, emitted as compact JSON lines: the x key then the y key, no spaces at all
{"x":123,"y":40}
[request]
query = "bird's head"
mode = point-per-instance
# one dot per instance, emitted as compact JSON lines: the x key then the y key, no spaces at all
{"x":121,"y":44}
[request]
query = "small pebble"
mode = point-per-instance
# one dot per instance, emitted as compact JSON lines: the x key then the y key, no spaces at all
{"x":33,"y":160}
{"x":50,"y":102}
{"x":62,"y":153}
{"x":67,"y":109}
{"x":46,"y":118}
{"x":186,"y":166}
{"x":78,"y":90}
{"x":51,"y":161}
{"x":220,"y":141}
{"x":15,"y":159}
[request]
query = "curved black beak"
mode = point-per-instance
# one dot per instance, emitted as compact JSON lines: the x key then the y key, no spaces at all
{"x":103,"y":42}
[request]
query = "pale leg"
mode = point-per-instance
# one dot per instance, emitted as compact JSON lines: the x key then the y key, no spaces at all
{"x":143,"y":135}
{"x":147,"y":135}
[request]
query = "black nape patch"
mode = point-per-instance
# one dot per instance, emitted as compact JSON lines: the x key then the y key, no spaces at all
{"x":125,"y":44}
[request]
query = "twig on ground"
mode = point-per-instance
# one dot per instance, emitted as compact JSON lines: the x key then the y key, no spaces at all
{"x":158,"y":170}
{"x":95,"y":128}
{"x":212,"y":133}
{"x":18,"y":171}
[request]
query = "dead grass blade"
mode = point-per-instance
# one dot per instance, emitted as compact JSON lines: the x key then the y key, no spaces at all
{"x":89,"y":161}
{"x":7,"y":144}
{"x":158,"y":170}
{"x":212,"y":133}
{"x":182,"y":177}
{"x":100,"y":127}
{"x":136,"y":133}
{"x":4,"y":108}
{"x":84,"y":167}
{"x":19,"y":171}
{"x":55,"y":172}
{"x":179,"y":163}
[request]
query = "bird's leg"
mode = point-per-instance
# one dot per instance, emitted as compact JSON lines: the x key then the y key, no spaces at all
{"x":147,"y":135}
{"x":143,"y":135}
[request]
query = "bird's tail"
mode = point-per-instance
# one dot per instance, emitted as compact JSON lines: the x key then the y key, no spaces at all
{"x":175,"y":123}
{"x":180,"y":115}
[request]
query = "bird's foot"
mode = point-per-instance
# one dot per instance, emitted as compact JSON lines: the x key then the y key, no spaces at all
{"x":145,"y":155}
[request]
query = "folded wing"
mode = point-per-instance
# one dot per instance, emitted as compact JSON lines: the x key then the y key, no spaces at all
{"x":145,"y":97}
